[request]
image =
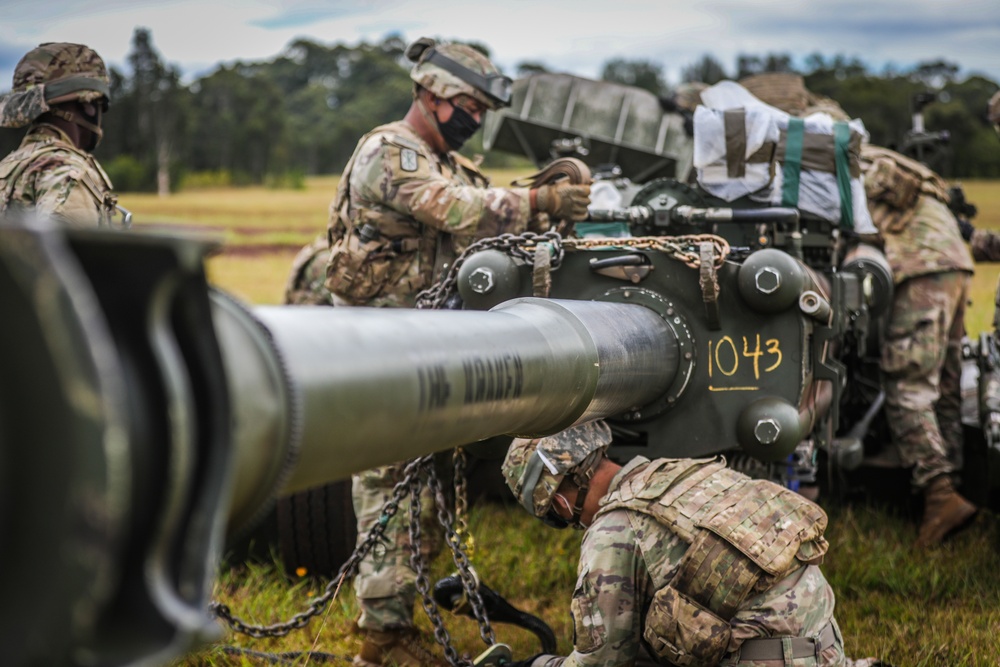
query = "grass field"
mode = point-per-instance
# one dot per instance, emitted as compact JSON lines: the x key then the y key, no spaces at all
{"x":911,"y":609}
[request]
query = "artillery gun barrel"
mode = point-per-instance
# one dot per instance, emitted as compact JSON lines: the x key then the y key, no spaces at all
{"x":141,"y":414}
{"x":376,"y":386}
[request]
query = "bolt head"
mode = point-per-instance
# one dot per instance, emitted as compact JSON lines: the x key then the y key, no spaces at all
{"x":767,"y":431}
{"x":482,"y":280}
{"x":768,"y":280}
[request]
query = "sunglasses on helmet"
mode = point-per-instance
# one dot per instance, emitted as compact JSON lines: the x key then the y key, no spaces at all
{"x":495,"y":86}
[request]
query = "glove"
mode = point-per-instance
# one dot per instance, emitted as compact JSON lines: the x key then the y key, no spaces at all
{"x":563,"y":201}
{"x":965,"y":228}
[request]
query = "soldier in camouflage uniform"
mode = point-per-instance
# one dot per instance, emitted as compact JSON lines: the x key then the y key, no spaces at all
{"x":60,"y":91}
{"x":684,"y":559}
{"x":922,"y":358}
{"x":407,"y":203}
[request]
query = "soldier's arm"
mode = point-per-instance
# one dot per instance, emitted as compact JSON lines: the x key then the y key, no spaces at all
{"x":406,"y":180}
{"x":607,"y":603}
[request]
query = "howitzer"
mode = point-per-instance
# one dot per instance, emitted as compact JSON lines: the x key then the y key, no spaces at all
{"x":165,"y":414}
{"x":641,"y":198}
{"x":162,"y":414}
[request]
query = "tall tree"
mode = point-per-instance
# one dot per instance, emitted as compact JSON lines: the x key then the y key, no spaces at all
{"x":642,"y":73}
{"x":707,"y":70}
{"x":158,"y":104}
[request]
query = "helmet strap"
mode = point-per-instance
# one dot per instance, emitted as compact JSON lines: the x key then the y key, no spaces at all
{"x":581,"y":478}
{"x":79,"y":119}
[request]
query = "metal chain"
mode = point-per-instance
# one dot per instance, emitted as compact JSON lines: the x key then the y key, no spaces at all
{"x":682,"y":248}
{"x":522,"y":246}
{"x":469,"y":579}
{"x":459,"y":556}
{"x":347,"y":570}
{"x":462,"y":503}
{"x":423,"y":584}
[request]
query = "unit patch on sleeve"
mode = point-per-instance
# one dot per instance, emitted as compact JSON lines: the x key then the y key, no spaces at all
{"x":408,"y":159}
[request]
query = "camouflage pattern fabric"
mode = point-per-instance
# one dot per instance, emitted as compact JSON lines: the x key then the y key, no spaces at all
{"x":50,"y":175}
{"x":985,"y":245}
{"x":626,"y":555}
{"x":53,"y":73}
{"x":443,"y":83}
{"x":426,"y":208}
{"x":921,"y":363}
{"x":385,"y":584}
{"x":305,"y":280}
{"x":558,"y":454}
{"x":909,"y":205}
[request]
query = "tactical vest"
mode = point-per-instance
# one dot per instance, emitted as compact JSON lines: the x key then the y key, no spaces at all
{"x":894,"y":183}
{"x":13,"y":167}
{"x":744,"y":535}
{"x":372,"y":249}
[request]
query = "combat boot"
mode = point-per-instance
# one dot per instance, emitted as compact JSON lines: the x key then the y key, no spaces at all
{"x":944,"y":511}
{"x":395,"y":648}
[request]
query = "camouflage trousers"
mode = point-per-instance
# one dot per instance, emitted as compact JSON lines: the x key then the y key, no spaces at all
{"x":385,"y":585}
{"x":922,"y":368}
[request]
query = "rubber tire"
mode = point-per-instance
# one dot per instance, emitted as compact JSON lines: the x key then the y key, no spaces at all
{"x":317,"y":529}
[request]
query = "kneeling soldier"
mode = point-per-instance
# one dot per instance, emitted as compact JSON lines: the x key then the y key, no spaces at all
{"x":695,"y":562}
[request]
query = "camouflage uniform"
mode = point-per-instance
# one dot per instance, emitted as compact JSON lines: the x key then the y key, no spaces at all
{"x":48,"y":173}
{"x":421,"y":208}
{"x":985,"y":245}
{"x":921,"y":360}
{"x":402,"y":212}
{"x":649,"y":534}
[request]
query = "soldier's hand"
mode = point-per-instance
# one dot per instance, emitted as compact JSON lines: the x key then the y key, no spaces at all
{"x":563,"y":201}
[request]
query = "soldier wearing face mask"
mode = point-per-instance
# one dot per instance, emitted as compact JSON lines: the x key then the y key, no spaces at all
{"x":406,"y":206}
{"x":60,"y":92}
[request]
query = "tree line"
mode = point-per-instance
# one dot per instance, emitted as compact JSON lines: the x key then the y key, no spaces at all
{"x":302,"y":112}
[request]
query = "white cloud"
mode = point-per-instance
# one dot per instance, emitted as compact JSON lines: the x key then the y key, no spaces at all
{"x":570,"y":35}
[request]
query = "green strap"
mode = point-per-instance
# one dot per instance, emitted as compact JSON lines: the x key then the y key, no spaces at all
{"x":842,"y":159}
{"x":792,"y":167}
{"x":73,"y":84}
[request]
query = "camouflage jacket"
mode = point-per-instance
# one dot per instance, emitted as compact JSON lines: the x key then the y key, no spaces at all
{"x":985,"y":245}
{"x":909,"y":205}
{"x":930,"y":243}
{"x":627,"y":555}
{"x":421,"y":208}
{"x":49,"y":174}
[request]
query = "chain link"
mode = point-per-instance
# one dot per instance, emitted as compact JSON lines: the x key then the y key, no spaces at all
{"x":465,"y":537}
{"x":347,"y":570}
{"x":682,"y":248}
{"x":458,"y":538}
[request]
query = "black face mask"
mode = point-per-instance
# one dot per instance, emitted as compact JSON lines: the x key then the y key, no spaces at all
{"x":459,"y":128}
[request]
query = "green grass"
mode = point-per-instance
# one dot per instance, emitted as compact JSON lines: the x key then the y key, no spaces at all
{"x":912,"y":609}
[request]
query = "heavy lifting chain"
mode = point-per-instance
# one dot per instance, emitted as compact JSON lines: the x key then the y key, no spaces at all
{"x":682,"y":248}
{"x":469,"y":579}
{"x":411,"y":485}
{"x":350,"y":567}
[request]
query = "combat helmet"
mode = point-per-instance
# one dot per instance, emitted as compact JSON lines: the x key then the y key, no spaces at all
{"x":53,"y":73}
{"x":993,"y":111}
{"x":534,"y":469}
{"x":451,"y":69}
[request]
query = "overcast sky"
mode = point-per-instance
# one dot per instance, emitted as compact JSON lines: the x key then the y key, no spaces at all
{"x":575,"y":36}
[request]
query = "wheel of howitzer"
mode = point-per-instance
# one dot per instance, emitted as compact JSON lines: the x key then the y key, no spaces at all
{"x":317,"y":529}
